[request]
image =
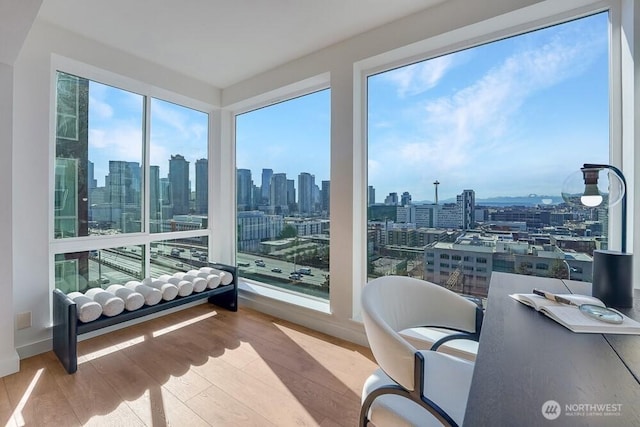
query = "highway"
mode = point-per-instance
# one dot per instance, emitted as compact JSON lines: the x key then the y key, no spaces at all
{"x":123,"y":264}
{"x":316,"y":278}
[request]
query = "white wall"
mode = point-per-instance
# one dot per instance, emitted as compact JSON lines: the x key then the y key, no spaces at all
{"x":8,"y":357}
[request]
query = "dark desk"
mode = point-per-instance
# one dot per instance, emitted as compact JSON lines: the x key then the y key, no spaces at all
{"x":526,"y":359}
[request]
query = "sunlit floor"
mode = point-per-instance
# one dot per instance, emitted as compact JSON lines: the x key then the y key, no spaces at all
{"x":201,"y":366}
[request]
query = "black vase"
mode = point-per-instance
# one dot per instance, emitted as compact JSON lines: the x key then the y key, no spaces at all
{"x":612,"y":278}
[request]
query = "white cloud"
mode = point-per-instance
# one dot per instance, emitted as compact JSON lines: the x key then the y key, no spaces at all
{"x":99,"y":109}
{"x":420,"y":77}
{"x":472,"y":117}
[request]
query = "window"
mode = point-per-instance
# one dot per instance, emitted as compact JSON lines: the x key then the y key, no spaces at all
{"x":188,"y":253}
{"x":179,"y":172}
{"x":101,"y":219}
{"x":283,"y":193}
{"x":98,"y":175}
{"x":444,"y":256}
{"x":478,"y":141}
{"x":79,"y":271}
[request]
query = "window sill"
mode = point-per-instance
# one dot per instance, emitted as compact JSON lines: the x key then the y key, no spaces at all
{"x":252,"y":290}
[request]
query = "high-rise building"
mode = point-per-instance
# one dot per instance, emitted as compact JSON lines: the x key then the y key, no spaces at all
{"x":405,"y":199}
{"x":202,"y":186}
{"x":278,"y":191}
{"x":244,"y":189}
{"x":325,"y":196}
{"x":291,"y":195}
{"x":179,"y":178}
{"x":305,"y":192}
{"x":371,"y":196}
{"x":154,"y":193}
{"x":467,"y":202}
{"x":391,"y":199}
{"x":91,"y":181}
{"x":265,"y":189}
{"x":124,"y":189}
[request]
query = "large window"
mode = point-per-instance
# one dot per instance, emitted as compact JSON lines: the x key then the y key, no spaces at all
{"x":110,"y":196}
{"x":98,"y":175}
{"x":283,"y":188}
{"x":179,"y":173}
{"x":467,"y":154}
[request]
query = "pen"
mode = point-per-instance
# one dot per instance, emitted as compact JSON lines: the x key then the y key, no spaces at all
{"x":553,"y":297}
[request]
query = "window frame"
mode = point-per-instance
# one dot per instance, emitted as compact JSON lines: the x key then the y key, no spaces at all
{"x":148,"y":91}
{"x":283,"y":94}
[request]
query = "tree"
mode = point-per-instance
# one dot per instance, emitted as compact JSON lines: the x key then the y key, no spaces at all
{"x":288,"y":231}
{"x":558,"y":270}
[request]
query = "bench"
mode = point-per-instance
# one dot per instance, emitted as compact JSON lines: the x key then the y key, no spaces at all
{"x":67,"y":327}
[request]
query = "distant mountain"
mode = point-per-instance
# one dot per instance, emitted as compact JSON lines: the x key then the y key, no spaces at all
{"x":530,"y":200}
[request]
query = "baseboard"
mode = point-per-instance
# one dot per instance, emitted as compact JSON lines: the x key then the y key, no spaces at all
{"x":9,"y":363}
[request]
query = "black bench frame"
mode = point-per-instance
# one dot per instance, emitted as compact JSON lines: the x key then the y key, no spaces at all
{"x":67,"y":327}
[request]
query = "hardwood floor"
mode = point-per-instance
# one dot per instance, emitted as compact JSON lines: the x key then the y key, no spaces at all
{"x":203,"y":366}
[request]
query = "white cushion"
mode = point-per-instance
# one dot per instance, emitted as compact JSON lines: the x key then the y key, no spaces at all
{"x":447,"y":382}
{"x":111,"y":304}
{"x":132,"y":300}
{"x":213,"y":280}
{"x":152,"y":296}
{"x":394,"y":410}
{"x":184,"y":286}
{"x":199,"y":283}
{"x":169,"y":290}
{"x":87,"y":309}
{"x":225,"y":277}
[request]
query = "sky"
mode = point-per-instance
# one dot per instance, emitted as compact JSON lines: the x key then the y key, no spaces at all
{"x":116,"y":125}
{"x":510,"y":118}
{"x":289,"y":137}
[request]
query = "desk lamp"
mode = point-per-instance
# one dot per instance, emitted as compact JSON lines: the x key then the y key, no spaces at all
{"x":612,"y":270}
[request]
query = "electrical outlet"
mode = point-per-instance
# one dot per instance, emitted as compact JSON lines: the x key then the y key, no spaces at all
{"x":23,"y":320}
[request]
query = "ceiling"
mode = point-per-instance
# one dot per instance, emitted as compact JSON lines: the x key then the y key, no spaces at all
{"x":222,"y":42}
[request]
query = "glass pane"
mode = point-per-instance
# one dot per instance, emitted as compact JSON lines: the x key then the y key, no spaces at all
{"x":79,"y":271}
{"x":98,"y":176}
{"x":170,"y":256}
{"x":283,"y":188}
{"x":468,"y":153}
{"x":179,"y":174}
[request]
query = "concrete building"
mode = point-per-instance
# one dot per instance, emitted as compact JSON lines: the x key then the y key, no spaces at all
{"x":202,"y":186}
{"x":179,"y":179}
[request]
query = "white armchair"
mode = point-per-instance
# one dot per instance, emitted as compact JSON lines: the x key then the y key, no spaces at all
{"x":415,"y":387}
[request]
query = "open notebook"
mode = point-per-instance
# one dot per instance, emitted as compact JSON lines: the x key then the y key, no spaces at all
{"x":572,"y":318}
